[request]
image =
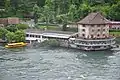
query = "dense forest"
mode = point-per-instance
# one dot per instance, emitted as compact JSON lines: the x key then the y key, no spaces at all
{"x":59,"y":11}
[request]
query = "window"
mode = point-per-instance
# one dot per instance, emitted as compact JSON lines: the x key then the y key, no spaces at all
{"x":103,"y":29}
{"x":83,"y":25}
{"x":83,"y":30}
{"x":27,"y":35}
{"x":83,"y":35}
{"x":98,"y":29}
{"x":103,"y":34}
{"x":92,"y":36}
{"x":30,"y":35}
{"x":92,"y":30}
{"x":98,"y":35}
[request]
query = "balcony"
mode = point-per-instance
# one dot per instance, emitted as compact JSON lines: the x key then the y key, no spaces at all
{"x":99,"y":39}
{"x":95,"y":44}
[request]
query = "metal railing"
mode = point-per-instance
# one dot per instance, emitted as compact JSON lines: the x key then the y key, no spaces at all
{"x":95,"y":44}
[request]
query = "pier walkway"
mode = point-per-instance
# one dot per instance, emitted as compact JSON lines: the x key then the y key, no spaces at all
{"x":35,"y":34}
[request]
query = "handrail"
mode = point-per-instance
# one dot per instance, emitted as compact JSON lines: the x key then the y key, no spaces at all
{"x":95,"y":39}
{"x":99,"y":44}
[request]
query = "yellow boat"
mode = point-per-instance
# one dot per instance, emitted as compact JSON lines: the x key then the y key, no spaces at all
{"x":15,"y":45}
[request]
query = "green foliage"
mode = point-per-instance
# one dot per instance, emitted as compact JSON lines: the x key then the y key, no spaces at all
{"x":48,"y":10}
{"x":12,"y":28}
{"x":19,"y":36}
{"x":10,"y":36}
{"x":3,"y":31}
{"x":114,"y":30}
{"x":36,"y":13}
{"x":114,"y":12}
{"x":22,"y":26}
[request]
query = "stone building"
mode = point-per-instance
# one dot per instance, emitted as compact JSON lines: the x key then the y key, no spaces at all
{"x":93,"y":33}
{"x":93,"y":26}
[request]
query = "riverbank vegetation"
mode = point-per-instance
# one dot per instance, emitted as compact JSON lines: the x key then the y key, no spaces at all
{"x":59,"y":11}
{"x":13,"y":33}
{"x":115,"y":33}
{"x":53,"y":12}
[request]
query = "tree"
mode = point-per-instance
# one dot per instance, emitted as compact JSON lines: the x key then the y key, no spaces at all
{"x":14,"y":6}
{"x":3,"y":31}
{"x":7,"y":5}
{"x":12,"y":28}
{"x":114,"y":12}
{"x":64,"y":20}
{"x":19,"y":36}
{"x":47,"y":14}
{"x":2,"y":13}
{"x":72,"y":11}
{"x":10,"y":36}
{"x":36,"y":13}
{"x":84,"y":9}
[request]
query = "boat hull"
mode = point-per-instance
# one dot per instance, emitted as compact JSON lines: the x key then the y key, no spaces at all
{"x":15,"y":45}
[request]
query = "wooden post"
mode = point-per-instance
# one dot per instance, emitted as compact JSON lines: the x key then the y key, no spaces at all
{"x":30,"y":41}
{"x":41,"y":38}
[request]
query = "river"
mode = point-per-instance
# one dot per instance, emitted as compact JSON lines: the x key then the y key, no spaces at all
{"x":45,"y":63}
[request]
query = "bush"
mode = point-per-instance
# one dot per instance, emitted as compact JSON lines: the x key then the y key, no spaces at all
{"x":114,"y":30}
{"x":22,"y":26}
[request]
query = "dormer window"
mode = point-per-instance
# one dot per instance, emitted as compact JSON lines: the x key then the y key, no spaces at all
{"x":83,"y":25}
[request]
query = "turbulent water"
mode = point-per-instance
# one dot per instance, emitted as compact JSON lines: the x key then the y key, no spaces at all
{"x":58,"y":64}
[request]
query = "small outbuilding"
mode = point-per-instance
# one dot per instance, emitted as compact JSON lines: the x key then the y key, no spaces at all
{"x":9,"y":21}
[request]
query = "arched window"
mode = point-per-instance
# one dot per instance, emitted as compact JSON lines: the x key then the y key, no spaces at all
{"x":98,"y":29}
{"x":103,"y":35}
{"x":83,"y":30}
{"x":98,"y":35}
{"x":83,"y":35}
{"x":92,"y":30}
{"x":92,"y":36}
{"x":103,"y":29}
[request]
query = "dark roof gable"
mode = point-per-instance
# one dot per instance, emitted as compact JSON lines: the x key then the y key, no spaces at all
{"x":94,"y":18}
